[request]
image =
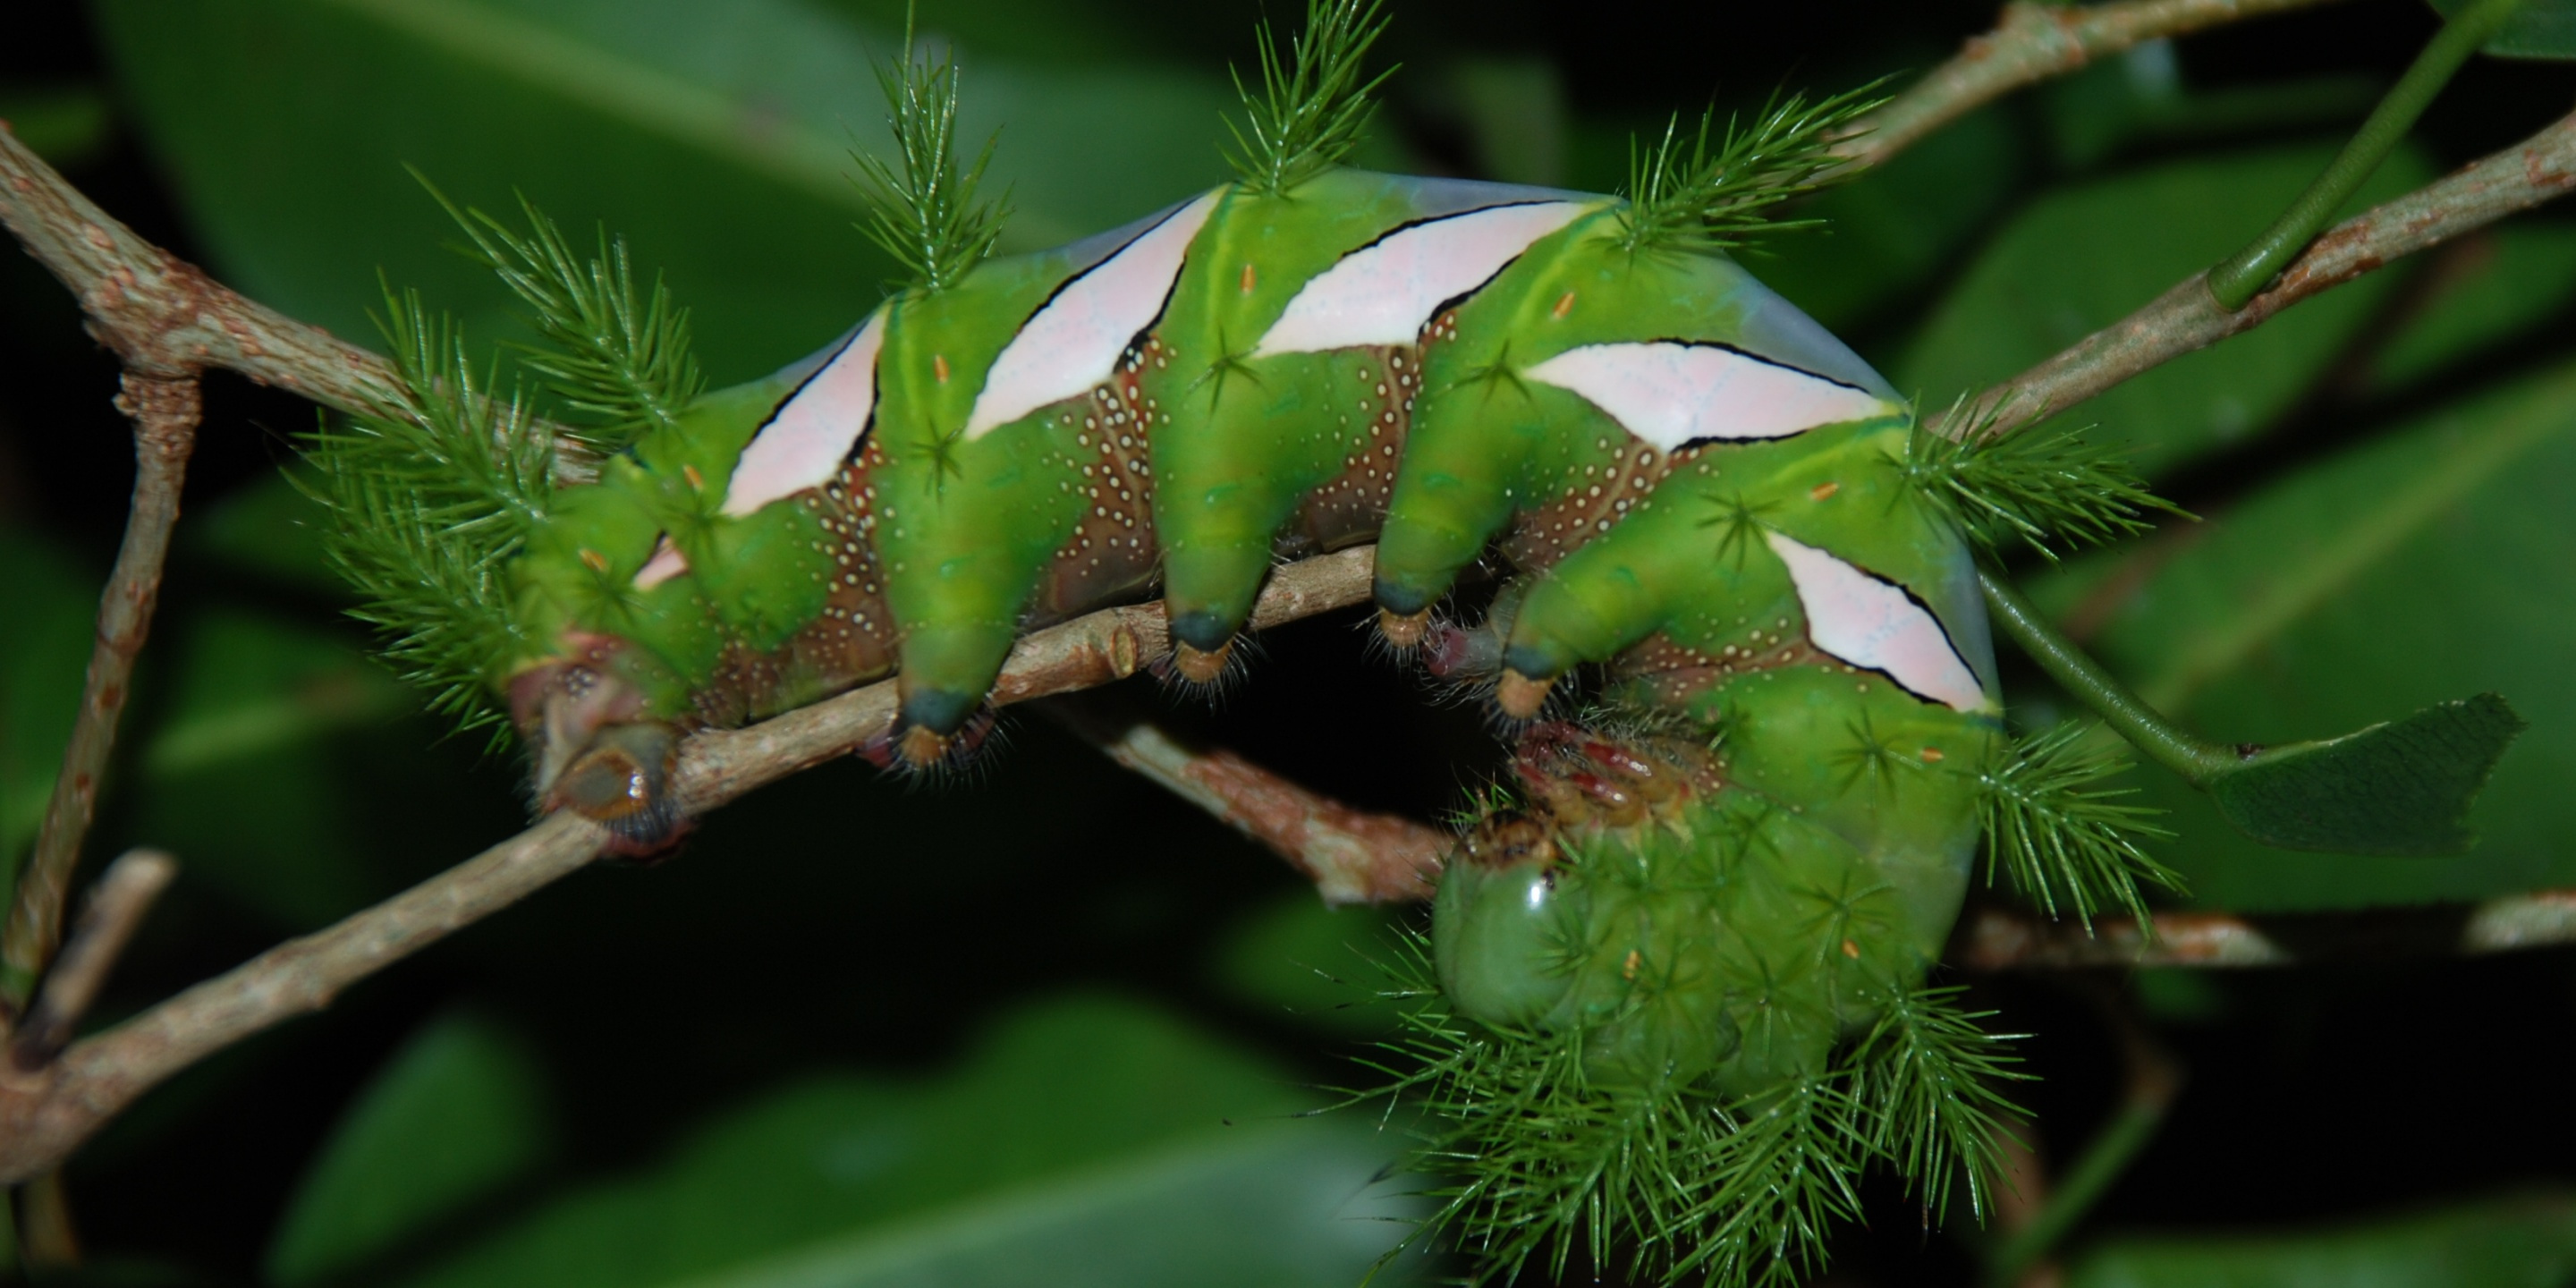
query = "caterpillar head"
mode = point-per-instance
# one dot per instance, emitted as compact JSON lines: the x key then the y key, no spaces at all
{"x":1513,"y":932}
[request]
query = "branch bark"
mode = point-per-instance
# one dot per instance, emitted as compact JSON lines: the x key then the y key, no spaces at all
{"x":164,"y":405}
{"x":2031,"y":43}
{"x":1352,"y":855}
{"x":164,"y":315}
{"x":46,"y":1114}
{"x":2001,"y":939}
{"x":2187,"y":317}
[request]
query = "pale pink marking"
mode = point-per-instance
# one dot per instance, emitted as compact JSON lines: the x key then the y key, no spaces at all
{"x":1869,"y":623}
{"x":667,"y":562}
{"x":805,"y":442}
{"x":1073,"y":343}
{"x":1384,"y":294}
{"x":1670,"y":394}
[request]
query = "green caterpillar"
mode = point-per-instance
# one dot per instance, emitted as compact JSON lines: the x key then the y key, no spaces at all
{"x":1680,"y":959}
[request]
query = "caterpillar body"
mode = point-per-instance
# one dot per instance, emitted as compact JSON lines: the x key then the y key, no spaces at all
{"x":1680,"y":955}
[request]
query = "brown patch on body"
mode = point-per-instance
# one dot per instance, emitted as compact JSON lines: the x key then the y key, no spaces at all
{"x":1377,"y":410}
{"x":1112,"y":553}
{"x":1603,"y":494}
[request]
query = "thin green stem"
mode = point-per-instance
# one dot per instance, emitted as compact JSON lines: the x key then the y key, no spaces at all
{"x":2164,"y":742}
{"x":2105,"y":1158}
{"x":2154,"y":1079}
{"x":2242,"y":276}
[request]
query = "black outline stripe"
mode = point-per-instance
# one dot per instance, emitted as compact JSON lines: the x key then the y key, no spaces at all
{"x":1103,"y":262}
{"x":1911,"y":598}
{"x":867,"y":427}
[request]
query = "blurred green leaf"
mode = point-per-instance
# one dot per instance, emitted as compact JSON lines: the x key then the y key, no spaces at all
{"x":269,"y":528}
{"x":2082,"y":258}
{"x":2509,"y":1243}
{"x":456,"y":1114}
{"x":2429,"y":563}
{"x":1513,"y":112}
{"x":44,"y":652}
{"x":713,"y":137}
{"x":2542,"y":29}
{"x":65,"y":124}
{"x":1895,"y":229}
{"x":241,"y":778}
{"x":2140,"y":97}
{"x":2488,"y":290}
{"x":1321,"y":965}
{"x":1088,"y":1142}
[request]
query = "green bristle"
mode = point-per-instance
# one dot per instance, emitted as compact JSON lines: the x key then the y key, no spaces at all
{"x":1713,"y":191}
{"x":620,"y":368}
{"x":1929,"y":1077}
{"x":2059,"y":835}
{"x":923,"y":209}
{"x":1313,"y":104}
{"x":428,"y":499}
{"x":2041,"y":488}
{"x":1546,"y":1171}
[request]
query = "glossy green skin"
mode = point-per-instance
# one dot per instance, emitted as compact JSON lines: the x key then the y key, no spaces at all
{"x":1742,"y":937}
{"x":1738,"y":940}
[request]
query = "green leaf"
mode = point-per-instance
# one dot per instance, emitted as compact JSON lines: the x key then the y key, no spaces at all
{"x":270,"y":528}
{"x":1086,"y":1142}
{"x":2489,"y":289}
{"x":1894,"y":229}
{"x":2525,"y":1242}
{"x":2430,"y":562}
{"x":65,"y":124}
{"x":2140,"y":97}
{"x":455,"y":1115}
{"x":241,"y":776}
{"x":2082,"y":258}
{"x":2403,"y":787}
{"x":1321,"y":965}
{"x":2540,"y":29}
{"x":715,"y":138}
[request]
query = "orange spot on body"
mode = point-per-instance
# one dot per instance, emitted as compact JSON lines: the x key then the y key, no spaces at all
{"x":1851,"y":950}
{"x":1564,"y":305}
{"x":1822,"y":490}
{"x":1932,"y":756}
{"x":1247,"y":279}
{"x":597,"y":561}
{"x":697,"y":481}
{"x":939,"y":366}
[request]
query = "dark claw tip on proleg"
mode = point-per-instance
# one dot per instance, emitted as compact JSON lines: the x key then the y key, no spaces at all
{"x":1204,"y":631}
{"x":940,"y":712}
{"x":1400,"y":599}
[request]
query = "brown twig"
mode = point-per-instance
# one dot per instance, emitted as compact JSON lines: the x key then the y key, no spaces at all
{"x":160,"y":313}
{"x":2030,"y":43}
{"x":45,"y":1114}
{"x":164,"y":409}
{"x":2000,"y":939}
{"x":1352,"y":855}
{"x":117,"y":904}
{"x":2187,"y":318}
